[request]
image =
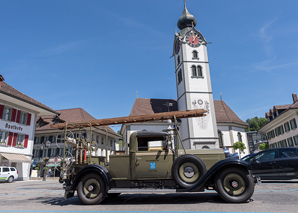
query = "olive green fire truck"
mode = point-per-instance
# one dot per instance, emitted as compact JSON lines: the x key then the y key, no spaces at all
{"x":153,"y":163}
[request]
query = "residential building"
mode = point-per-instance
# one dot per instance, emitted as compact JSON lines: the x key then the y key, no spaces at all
{"x":281,"y":128}
{"x":18,"y":113}
{"x":45,"y":134}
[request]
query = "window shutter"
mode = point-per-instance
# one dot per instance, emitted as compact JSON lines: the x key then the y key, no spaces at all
{"x":1,"y":111}
{"x":26,"y":141}
{"x":18,"y":116}
{"x":13,"y":115}
{"x":28,"y":119}
{"x":15,"y":138}
{"x":9,"y":140}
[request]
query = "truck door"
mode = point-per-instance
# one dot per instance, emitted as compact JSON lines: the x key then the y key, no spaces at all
{"x":153,"y":159}
{"x":154,"y":164}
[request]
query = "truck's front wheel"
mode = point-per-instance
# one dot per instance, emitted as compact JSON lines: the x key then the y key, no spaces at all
{"x":234,"y":185}
{"x":91,"y":189}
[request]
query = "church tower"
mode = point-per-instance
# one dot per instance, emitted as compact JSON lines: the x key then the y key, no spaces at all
{"x":194,"y":84}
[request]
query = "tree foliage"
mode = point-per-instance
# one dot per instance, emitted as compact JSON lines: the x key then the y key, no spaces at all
{"x":255,"y":123}
{"x":263,"y":146}
{"x":239,"y":145}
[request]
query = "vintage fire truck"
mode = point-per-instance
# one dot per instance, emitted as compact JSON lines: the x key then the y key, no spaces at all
{"x":153,"y":163}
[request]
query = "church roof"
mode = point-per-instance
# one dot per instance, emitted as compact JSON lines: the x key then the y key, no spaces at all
{"x":186,"y":19}
{"x":223,"y":112}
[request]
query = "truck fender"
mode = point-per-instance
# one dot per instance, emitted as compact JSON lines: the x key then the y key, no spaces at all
{"x":94,"y":168}
{"x":226,"y":163}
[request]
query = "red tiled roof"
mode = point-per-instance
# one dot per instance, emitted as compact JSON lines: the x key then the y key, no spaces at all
{"x":142,"y":106}
{"x":224,"y":114}
{"x":9,"y":90}
{"x":70,"y":116}
{"x":282,"y":106}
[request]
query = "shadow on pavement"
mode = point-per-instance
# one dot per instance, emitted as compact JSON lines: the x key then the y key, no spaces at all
{"x":141,"y":199}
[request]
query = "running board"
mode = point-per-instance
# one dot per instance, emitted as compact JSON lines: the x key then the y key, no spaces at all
{"x":136,"y":190}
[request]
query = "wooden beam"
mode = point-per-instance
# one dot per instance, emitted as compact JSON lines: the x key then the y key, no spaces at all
{"x":134,"y":119}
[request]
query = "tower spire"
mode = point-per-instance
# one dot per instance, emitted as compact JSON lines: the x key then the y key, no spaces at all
{"x":187,"y":19}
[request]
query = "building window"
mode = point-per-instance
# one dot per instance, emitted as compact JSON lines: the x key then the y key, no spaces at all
{"x":295,"y":140}
{"x":205,"y":147}
{"x":3,"y":137}
{"x":23,"y":118}
{"x":220,"y":138}
{"x":290,"y":142}
{"x":293,"y":123}
{"x":287,"y":126}
{"x":97,"y":139}
{"x":179,"y":76}
{"x":194,"y":70}
{"x":239,"y":137}
{"x":200,"y":74}
{"x":20,"y":140}
{"x":194,"y":54}
{"x":102,"y":140}
{"x":178,"y":60}
{"x":7,"y":113}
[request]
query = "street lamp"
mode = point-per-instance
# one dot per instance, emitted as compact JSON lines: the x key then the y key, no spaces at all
{"x":46,"y":160}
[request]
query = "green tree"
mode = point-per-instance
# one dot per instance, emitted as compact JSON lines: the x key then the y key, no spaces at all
{"x":255,"y":123}
{"x":263,"y":146}
{"x":239,"y":145}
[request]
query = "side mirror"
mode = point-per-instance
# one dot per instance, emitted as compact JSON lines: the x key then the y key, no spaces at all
{"x":254,"y":159}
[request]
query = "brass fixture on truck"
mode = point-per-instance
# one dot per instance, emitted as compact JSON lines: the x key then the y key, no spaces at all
{"x":153,"y":163}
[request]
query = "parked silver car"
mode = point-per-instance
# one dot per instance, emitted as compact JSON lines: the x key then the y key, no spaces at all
{"x":8,"y":174}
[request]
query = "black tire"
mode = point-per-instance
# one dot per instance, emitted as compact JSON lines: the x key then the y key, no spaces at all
{"x":188,"y":170}
{"x":10,"y":179}
{"x":91,"y":189}
{"x":234,"y":185}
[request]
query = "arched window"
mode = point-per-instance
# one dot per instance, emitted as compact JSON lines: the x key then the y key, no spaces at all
{"x":178,"y":60}
{"x":205,"y":147}
{"x":220,"y":138}
{"x":194,"y":70}
{"x":200,"y":74}
{"x":195,"y":54}
{"x":239,"y":136}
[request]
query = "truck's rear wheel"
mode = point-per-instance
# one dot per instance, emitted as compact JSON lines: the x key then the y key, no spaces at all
{"x":188,"y":170}
{"x":91,"y":189}
{"x":234,"y":185}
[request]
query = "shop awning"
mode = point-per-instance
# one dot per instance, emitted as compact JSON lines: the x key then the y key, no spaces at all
{"x":18,"y":158}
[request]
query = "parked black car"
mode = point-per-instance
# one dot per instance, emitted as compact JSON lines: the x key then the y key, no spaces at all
{"x":276,"y":163}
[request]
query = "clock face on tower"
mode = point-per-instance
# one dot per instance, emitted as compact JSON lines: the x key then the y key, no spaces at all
{"x":193,"y":39}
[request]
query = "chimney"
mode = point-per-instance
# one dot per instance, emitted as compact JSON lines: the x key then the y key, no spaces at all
{"x":2,"y":79}
{"x":294,"y":95}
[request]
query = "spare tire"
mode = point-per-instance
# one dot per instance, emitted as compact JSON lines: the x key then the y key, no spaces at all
{"x":188,"y":170}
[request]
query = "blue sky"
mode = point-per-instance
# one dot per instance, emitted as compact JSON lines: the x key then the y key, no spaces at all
{"x":96,"y":54}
